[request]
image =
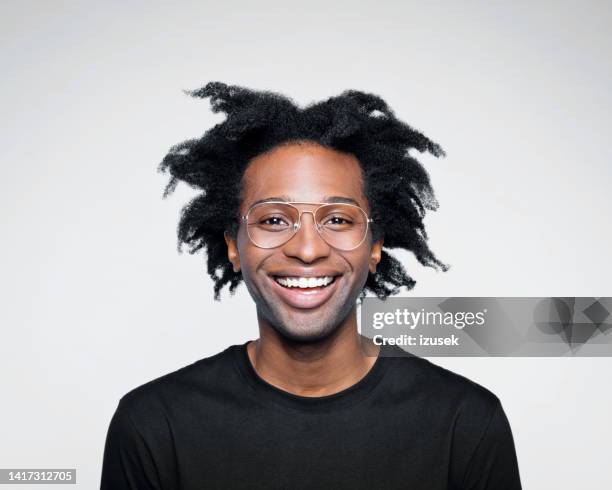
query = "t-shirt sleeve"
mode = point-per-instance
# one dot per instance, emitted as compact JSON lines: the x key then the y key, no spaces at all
{"x":127,"y":463}
{"x":494,"y":465}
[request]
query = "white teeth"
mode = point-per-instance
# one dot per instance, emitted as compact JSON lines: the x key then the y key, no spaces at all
{"x":304,"y":282}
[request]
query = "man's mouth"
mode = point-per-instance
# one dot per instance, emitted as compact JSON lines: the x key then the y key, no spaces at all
{"x":305,"y":292}
{"x":305,"y":282}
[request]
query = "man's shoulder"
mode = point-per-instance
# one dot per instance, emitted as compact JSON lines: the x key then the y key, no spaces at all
{"x":200,"y":378}
{"x":415,"y":376}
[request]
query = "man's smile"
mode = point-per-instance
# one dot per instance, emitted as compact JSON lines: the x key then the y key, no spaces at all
{"x":305,"y":292}
{"x":304,"y":282}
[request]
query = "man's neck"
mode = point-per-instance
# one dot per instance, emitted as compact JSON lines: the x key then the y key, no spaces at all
{"x":313,"y":369}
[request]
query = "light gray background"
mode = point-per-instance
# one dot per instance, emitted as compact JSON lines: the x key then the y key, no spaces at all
{"x":95,"y":298}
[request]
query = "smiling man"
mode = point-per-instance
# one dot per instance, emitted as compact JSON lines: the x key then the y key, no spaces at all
{"x":298,"y":204}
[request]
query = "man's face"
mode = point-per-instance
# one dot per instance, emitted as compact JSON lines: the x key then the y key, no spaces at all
{"x":304,"y":173}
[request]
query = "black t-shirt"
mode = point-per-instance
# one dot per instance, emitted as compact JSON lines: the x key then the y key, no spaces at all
{"x":216,"y":424}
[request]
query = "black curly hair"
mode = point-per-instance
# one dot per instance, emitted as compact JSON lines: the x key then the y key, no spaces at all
{"x":396,"y":184}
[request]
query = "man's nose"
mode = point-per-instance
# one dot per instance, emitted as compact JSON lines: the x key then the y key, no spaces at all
{"x":307,"y":244}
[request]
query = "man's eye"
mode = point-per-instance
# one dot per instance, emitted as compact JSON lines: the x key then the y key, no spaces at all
{"x":337,"y":220}
{"x":273,"y":221}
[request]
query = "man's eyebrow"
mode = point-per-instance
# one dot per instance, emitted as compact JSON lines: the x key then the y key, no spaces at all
{"x":348,"y":200}
{"x":267,"y":199}
{"x":328,"y":199}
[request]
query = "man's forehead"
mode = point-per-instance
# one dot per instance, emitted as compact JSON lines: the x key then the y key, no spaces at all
{"x":303,"y":174}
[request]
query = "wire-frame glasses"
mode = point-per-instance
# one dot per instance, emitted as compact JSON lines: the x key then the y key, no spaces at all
{"x":271,"y":224}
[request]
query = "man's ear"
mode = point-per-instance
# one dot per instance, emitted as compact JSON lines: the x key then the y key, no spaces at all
{"x":375,"y":254}
{"x":232,"y":251}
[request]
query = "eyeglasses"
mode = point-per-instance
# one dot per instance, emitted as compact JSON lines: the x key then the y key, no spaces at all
{"x":273,"y":223}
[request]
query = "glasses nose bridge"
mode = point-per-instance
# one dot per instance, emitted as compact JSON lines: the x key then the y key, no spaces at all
{"x":298,"y":225}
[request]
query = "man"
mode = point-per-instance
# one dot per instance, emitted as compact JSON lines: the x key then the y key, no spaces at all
{"x":298,"y":203}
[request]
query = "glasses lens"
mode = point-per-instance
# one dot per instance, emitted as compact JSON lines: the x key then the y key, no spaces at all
{"x":271,"y":224}
{"x":342,"y":226}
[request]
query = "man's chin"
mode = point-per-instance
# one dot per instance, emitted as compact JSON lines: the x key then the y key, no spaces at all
{"x":305,"y":325}
{"x":304,"y":333}
{"x":306,"y":328}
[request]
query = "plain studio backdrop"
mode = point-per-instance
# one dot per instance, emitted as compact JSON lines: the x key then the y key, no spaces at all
{"x":95,"y":298}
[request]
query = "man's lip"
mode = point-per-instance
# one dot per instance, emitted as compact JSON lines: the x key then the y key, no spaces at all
{"x":303,"y":299}
{"x":298,"y":273}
